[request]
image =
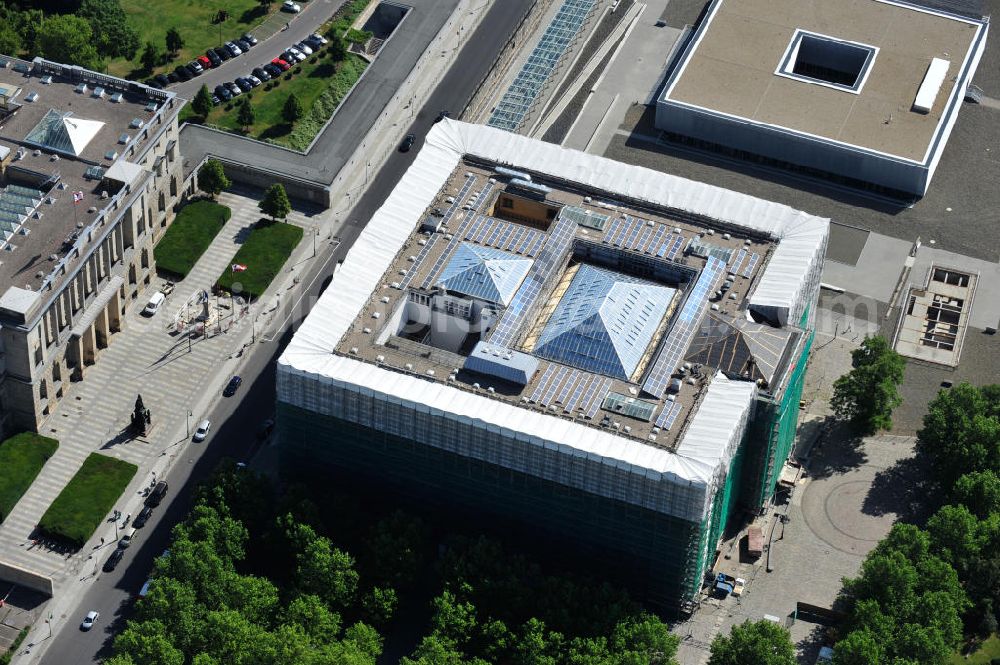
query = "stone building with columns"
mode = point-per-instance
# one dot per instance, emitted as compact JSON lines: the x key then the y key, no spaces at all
{"x":90,"y":172}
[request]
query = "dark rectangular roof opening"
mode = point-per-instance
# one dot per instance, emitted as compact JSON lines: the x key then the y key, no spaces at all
{"x":830,"y":61}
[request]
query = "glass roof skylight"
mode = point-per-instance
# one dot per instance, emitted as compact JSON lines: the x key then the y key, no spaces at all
{"x":61,"y":132}
{"x":485,"y":272}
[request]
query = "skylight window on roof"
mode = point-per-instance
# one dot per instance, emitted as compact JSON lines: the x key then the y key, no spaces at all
{"x":827,"y":61}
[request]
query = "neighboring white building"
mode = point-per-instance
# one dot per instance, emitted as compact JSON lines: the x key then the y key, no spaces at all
{"x":90,"y":171}
{"x":607,"y":352}
{"x":862,"y":91}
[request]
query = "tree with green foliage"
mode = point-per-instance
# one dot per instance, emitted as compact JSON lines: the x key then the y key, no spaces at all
{"x":114,"y":36}
{"x":147,"y":642}
{"x":265,"y":5}
{"x":292,"y":110}
{"x":379,"y":605}
{"x":202,"y":102}
{"x":245,"y":114}
{"x":275,"y":203}
{"x":68,"y":39}
{"x":399,"y":546}
{"x":336,"y":47}
{"x":867,"y":395}
{"x":961,"y":432}
{"x":10,"y":41}
{"x":149,"y":57}
{"x":174,"y":41}
{"x":753,"y":643}
{"x":327,"y":572}
{"x":979,"y":491}
{"x":212,"y":178}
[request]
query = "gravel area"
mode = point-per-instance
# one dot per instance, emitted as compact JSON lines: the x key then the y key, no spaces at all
{"x":557,"y":131}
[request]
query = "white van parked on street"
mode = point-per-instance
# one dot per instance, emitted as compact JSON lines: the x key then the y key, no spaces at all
{"x":153,"y":306}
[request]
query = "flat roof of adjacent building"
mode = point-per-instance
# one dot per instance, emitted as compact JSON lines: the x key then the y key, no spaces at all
{"x":734,"y":67}
{"x":64,"y":140}
{"x":447,"y":202}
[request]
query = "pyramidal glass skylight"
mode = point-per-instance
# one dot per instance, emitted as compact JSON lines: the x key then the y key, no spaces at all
{"x":604,"y":322}
{"x":485,"y":272}
{"x":62,"y":132}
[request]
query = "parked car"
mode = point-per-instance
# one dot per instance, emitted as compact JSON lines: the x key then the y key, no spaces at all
{"x":113,"y":560}
{"x":126,"y":540}
{"x":265,"y":429}
{"x":302,"y":46}
{"x":222,"y":52}
{"x":222,"y":92}
{"x":299,"y":55}
{"x":319,"y":37}
{"x":243,"y":84}
{"x":233,"y":88}
{"x":143,"y":517}
{"x":254,"y":81}
{"x":153,"y":83}
{"x":90,"y":620}
{"x":261,"y":74}
{"x":144,"y":591}
{"x":202,"y":431}
{"x":247,"y":37}
{"x":233,"y":49}
{"x":159,"y":491}
{"x":153,"y":306}
{"x":162,"y":80}
{"x":232,"y":386}
{"x":213,"y":57}
{"x":281,"y":64}
{"x":195,"y":67}
{"x":313,"y":43}
{"x":172,"y":77}
{"x":182,"y":73}
{"x":739,"y":586}
{"x":204,"y":62}
{"x":407,"y":143}
{"x":273,"y":71}
{"x":289,"y":6}
{"x":215,"y":100}
{"x":243,"y":44}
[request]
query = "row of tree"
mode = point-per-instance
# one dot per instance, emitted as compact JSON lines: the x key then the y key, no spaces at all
{"x":922,"y":591}
{"x":84,"y":33}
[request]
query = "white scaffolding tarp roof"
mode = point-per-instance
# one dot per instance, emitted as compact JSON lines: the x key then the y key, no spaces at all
{"x":310,"y":356}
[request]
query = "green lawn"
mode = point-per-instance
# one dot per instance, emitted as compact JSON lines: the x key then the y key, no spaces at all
{"x":193,"y":19}
{"x":189,"y":236}
{"x":22,"y":456}
{"x":264,"y":253}
{"x":987,"y":651}
{"x":319,"y":83}
{"x":87,"y":499}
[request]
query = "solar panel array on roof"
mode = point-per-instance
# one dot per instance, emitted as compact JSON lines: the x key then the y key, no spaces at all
{"x":667,"y":417}
{"x":515,"y":103}
{"x":604,"y":322}
{"x":552,"y":254}
{"x":684,"y":329}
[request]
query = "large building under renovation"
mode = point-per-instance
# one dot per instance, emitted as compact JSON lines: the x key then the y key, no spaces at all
{"x":607,"y":353}
{"x":864,"y":92}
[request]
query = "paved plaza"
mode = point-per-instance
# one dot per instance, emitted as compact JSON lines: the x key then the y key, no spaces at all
{"x":177,"y":377}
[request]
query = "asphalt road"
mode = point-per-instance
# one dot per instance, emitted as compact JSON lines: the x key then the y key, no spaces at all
{"x":301,"y":25}
{"x":235,"y":420}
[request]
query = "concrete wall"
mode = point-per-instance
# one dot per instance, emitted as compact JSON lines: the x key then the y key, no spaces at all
{"x":25,"y":578}
{"x":733,"y":135}
{"x":295,"y":188}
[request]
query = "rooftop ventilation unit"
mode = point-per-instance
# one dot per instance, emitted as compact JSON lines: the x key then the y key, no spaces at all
{"x":511,"y":173}
{"x":530,"y":186}
{"x":136,"y":123}
{"x":46,"y":79}
{"x":117,"y":98}
{"x":931,"y":85}
{"x":82,"y":88}
{"x":98,"y":92}
{"x":123,"y":139}
{"x":111,"y":155}
{"x":31,"y":96}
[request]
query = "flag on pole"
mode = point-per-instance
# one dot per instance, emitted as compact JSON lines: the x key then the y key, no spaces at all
{"x":239,"y":267}
{"x":77,"y":197}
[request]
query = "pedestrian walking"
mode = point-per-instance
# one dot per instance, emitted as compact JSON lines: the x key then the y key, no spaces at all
{"x":102,"y":541}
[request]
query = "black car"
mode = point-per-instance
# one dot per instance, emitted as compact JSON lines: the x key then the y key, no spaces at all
{"x":143,"y":517}
{"x":222,"y":52}
{"x":153,"y":83}
{"x":244,"y":84}
{"x":159,"y":491}
{"x":114,"y":559}
{"x":249,"y":39}
{"x":172,"y":77}
{"x":213,"y":57}
{"x":289,"y":58}
{"x":162,"y":80}
{"x":183,"y":73}
{"x":222,"y":92}
{"x":313,"y":43}
{"x":232,"y":386}
{"x":244,"y":44}
{"x":273,"y":70}
{"x":442,"y":115}
{"x":407,"y":143}
{"x":261,"y":73}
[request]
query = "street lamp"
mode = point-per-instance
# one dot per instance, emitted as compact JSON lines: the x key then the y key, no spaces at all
{"x":188,"y":421}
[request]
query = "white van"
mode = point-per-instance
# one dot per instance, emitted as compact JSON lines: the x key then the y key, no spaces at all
{"x":154,"y":303}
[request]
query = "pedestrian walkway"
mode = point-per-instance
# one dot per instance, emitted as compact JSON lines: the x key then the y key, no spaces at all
{"x":170,"y":371}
